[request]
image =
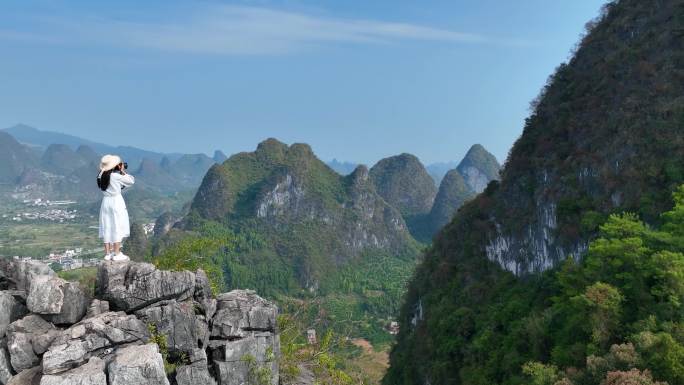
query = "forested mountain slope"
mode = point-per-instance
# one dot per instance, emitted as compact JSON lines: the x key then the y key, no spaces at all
{"x":606,"y":135}
{"x":307,"y":218}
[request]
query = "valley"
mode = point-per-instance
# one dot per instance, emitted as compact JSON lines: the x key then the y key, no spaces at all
{"x":342,"y":193}
{"x":277,"y":220}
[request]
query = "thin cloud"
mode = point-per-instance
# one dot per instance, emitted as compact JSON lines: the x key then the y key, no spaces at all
{"x":239,"y":30}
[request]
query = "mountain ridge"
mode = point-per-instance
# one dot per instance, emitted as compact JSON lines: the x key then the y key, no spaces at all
{"x":604,"y":136}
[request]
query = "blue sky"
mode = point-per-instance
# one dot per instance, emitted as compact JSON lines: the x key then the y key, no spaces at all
{"x":358,"y":80}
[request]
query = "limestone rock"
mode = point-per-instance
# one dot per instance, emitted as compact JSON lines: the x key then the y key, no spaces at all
{"x":203,"y":293}
{"x":132,"y":286}
{"x":30,"y":376}
{"x":5,"y":366}
{"x":92,"y":373}
{"x":61,"y":301}
{"x":96,"y":308}
{"x":196,"y":373}
{"x":28,"y":338}
{"x":10,"y":311}
{"x":74,"y":306}
{"x":232,"y":359}
{"x":93,"y":336}
{"x":46,"y":295}
{"x":18,"y":275}
{"x":183,"y":329}
{"x":240,"y":311}
{"x":142,"y":364}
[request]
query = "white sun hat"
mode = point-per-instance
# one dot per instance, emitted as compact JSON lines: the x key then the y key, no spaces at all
{"x":108,"y":162}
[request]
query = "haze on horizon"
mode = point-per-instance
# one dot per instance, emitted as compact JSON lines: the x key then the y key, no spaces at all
{"x":357,"y":80}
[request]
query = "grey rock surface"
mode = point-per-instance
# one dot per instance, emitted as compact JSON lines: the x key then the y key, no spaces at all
{"x":96,"y":346}
{"x":96,"y":308}
{"x":93,"y":336}
{"x":240,"y":311}
{"x":132,"y":286}
{"x":74,"y":306}
{"x":184,"y":330}
{"x":30,"y":376}
{"x":10,"y":311}
{"x":61,"y":301}
{"x":46,"y":295}
{"x":27,"y":339}
{"x":6,"y":371}
{"x":91,"y":373}
{"x":18,"y":275}
{"x":196,"y":372}
{"x":141,"y":364}
{"x":232,"y":359}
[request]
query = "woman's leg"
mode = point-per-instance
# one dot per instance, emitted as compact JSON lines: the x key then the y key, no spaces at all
{"x":107,"y":248}
{"x":117,"y":247}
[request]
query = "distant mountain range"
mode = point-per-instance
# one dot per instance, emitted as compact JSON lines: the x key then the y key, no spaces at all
{"x":46,"y":164}
{"x":51,"y":165}
{"x":308,"y":219}
{"x":436,"y":170}
{"x":41,"y":139}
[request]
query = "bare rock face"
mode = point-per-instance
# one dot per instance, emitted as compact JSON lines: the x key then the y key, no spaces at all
{"x":6,"y":371}
{"x":197,"y":372}
{"x":18,"y":275}
{"x":96,"y":308}
{"x":184,"y":330}
{"x":96,"y":346}
{"x":240,"y":312}
{"x":10,"y":311}
{"x":92,"y":373}
{"x":243,"y":337}
{"x":27,"y":377}
{"x":27,"y":339}
{"x":132,"y":286}
{"x":96,"y":336}
{"x":63,"y":302}
{"x":137,"y":365}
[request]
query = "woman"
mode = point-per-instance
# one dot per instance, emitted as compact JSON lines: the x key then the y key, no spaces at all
{"x":114,"y":225}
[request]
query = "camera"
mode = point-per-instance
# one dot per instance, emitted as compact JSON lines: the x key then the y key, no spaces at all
{"x":125,"y":165}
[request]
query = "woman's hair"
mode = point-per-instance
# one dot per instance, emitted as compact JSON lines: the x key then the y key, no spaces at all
{"x":103,"y":179}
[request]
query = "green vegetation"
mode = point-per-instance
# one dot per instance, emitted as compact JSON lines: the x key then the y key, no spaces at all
{"x":604,"y":137}
{"x":618,"y":312}
{"x":482,"y":160}
{"x":39,"y":239}
{"x":360,"y":298}
{"x":404,"y":183}
{"x":259,"y":373}
{"x":86,"y":277}
{"x":326,"y":360}
{"x":171,"y":362}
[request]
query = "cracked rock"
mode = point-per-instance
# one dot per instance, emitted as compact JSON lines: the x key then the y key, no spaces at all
{"x":93,"y":337}
{"x":141,"y":364}
{"x":131,"y":286}
{"x":27,"y":339}
{"x":92,"y":373}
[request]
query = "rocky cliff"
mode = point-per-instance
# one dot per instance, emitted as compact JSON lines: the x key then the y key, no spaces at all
{"x":605,"y":136}
{"x":479,"y":167}
{"x":142,"y":326}
{"x":312,"y":218}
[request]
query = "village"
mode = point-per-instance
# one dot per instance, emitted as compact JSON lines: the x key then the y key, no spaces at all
{"x":68,"y":260}
{"x":46,"y":210}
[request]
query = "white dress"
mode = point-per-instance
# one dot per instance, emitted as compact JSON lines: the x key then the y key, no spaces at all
{"x":114,"y":224}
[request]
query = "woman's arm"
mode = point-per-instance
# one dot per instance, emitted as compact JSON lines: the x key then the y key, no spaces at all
{"x":127,"y":180}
